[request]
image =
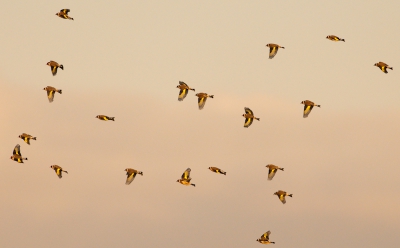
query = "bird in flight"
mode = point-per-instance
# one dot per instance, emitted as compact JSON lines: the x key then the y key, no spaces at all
{"x":249,"y":117}
{"x":273,"y":49}
{"x":265,"y":239}
{"x":308,"y":106}
{"x":131,"y":174}
{"x":184,"y":89}
{"x":64,"y":14}
{"x":383,"y":66}
{"x":58,"y":170}
{"x":17,"y":156}
{"x":26,"y":137}
{"x":50,"y":92}
{"x":185,"y":178}
{"x":202,"y":99}
{"x":334,"y":38}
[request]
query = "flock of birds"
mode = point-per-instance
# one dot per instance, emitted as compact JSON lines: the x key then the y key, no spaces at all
{"x":202,"y":98}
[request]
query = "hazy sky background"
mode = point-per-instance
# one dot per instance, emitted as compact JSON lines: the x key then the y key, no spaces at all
{"x":125,"y":58}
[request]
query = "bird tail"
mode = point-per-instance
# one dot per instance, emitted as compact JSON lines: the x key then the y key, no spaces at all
{"x":283,"y":47}
{"x":212,"y":96}
{"x":65,"y":171}
{"x":281,"y":169}
{"x":112,"y":118}
{"x":62,"y":67}
{"x":194,"y":185}
{"x":141,"y":173}
{"x":224,"y":173}
{"x":272,"y":242}
{"x":34,"y":138}
{"x":291,"y":195}
{"x":193,"y":89}
{"x":59,"y":91}
{"x":257,"y":119}
{"x":391,"y":68}
{"x":342,"y":40}
{"x":24,"y":158}
{"x":318,"y":106}
{"x":71,"y":18}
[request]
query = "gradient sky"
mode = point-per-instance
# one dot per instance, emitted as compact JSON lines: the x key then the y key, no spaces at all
{"x":125,"y":58}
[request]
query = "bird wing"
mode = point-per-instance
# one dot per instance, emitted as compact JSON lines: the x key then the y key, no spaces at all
{"x":271,"y":173}
{"x":17,"y":150}
{"x":383,"y":68}
{"x":248,"y":111}
{"x":265,"y":236}
{"x":26,"y":138}
{"x":53,"y":69}
{"x":247,"y":122}
{"x":183,"y":83}
{"x":282,"y":198}
{"x":272,"y":51}
{"x":130,"y":178}
{"x":182,"y":94}
{"x":307,"y":110}
{"x":50,"y":95}
{"x":202,"y":102}
{"x":186,"y":174}
{"x":59,"y":172}
{"x":65,"y":11}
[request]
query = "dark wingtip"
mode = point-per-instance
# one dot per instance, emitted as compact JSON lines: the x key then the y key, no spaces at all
{"x":212,"y":96}
{"x":34,"y":138}
{"x":291,"y":195}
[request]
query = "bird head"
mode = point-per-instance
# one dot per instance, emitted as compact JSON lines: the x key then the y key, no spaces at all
{"x":19,"y":136}
{"x":48,"y":63}
{"x":11,"y":157}
{"x":376,"y":64}
{"x":302,"y":102}
{"x":267,"y":45}
{"x":97,"y":116}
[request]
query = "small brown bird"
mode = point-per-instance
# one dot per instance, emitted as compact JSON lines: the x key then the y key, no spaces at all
{"x":53,"y":66}
{"x":265,"y":239}
{"x":202,"y":99}
{"x":217,"y":170}
{"x":26,"y":137}
{"x":249,"y":117}
{"x":17,"y":156}
{"x":308,"y":106}
{"x":64,"y":14}
{"x":273,"y":49}
{"x":383,"y":66}
{"x":58,"y":170}
{"x":105,"y":118}
{"x":184,"y":89}
{"x":272,"y":170}
{"x":334,"y":38}
{"x":281,"y":195}
{"x":50,"y":92}
{"x":131,"y":174}
{"x":185,"y":178}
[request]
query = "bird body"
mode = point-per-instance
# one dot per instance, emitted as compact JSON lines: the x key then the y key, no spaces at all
{"x":17,"y":156}
{"x":217,"y":170}
{"x":272,"y":170}
{"x":64,"y":14}
{"x":51,"y":91}
{"x":184,"y":89}
{"x":105,"y":118}
{"x":131,"y":174}
{"x":249,"y":117}
{"x":334,"y":38}
{"x":265,"y":239}
{"x":202,"y":99}
{"x":58,"y":170}
{"x":281,"y":195}
{"x":26,"y":137}
{"x":383,"y":66}
{"x":185,"y":178}
{"x":273,"y":49}
{"x":308,"y":106}
{"x":53,"y":66}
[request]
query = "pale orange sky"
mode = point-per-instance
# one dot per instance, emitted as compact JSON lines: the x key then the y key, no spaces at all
{"x":124,"y":59}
